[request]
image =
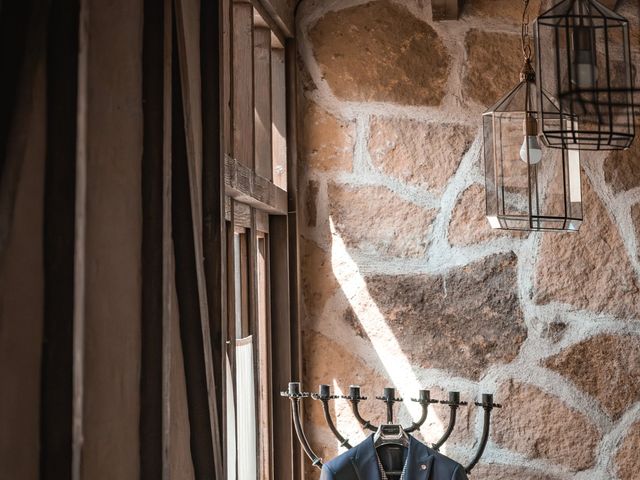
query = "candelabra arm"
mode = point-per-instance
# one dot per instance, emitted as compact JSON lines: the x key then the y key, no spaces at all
{"x":452,"y":422}
{"x":424,"y":400}
{"x":488,"y":405}
{"x":332,"y":426}
{"x":356,"y":413}
{"x":302,"y":438}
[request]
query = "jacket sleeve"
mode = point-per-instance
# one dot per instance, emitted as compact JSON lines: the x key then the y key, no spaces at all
{"x":327,"y":473}
{"x":459,"y":473}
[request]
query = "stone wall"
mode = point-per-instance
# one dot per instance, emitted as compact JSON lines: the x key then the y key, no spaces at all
{"x":404,"y":283}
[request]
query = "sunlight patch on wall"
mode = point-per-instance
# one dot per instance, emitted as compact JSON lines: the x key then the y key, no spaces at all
{"x":383,"y":340}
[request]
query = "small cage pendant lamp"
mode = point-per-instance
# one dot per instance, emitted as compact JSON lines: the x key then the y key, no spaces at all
{"x":584,"y":63}
{"x":528,"y":186}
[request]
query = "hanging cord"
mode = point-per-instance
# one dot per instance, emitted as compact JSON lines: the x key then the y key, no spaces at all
{"x":526,"y":37}
{"x":527,"y":72}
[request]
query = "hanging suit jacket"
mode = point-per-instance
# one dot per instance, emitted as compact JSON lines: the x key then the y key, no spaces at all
{"x":423,"y":463}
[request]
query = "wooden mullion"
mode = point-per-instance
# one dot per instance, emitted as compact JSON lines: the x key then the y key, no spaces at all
{"x":262,"y":93}
{"x":269,"y":345}
{"x":80,"y":284}
{"x":168,"y":264}
{"x":254,"y":328}
{"x":279,"y":115}
{"x":243,"y":95}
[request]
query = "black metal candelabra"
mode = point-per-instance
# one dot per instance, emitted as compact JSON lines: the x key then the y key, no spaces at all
{"x":324,"y":396}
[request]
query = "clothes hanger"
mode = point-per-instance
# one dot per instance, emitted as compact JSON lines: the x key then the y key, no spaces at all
{"x":391,"y":435}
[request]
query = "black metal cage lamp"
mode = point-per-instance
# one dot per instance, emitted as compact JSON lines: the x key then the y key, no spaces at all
{"x":584,"y":63}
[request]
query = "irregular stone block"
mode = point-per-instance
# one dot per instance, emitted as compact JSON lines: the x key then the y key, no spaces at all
{"x":622,"y":168}
{"x":503,"y":472}
{"x":327,"y":143}
{"x":607,"y":367}
{"x":502,"y":10}
{"x":494,"y":61}
{"x":380,"y":52}
{"x":462,"y":322}
{"x":419,"y":153}
{"x":589,"y":270}
{"x":628,"y":459}
{"x":539,"y":425}
{"x":318,"y":281}
{"x":469,"y":225}
{"x":375,"y":220}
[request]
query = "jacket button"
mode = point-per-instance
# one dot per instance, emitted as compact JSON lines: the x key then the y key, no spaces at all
{"x":423,"y":467}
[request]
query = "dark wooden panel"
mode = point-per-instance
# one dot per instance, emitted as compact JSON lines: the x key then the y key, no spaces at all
{"x":243,"y":99}
{"x":188,"y":298}
{"x":20,"y":58}
{"x":281,"y":346}
{"x":56,"y":416}
{"x":294,"y":256}
{"x":188,"y":239}
{"x":262,"y":92}
{"x":214,"y":234}
{"x":152,"y":453}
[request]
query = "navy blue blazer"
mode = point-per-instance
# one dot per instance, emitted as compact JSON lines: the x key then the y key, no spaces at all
{"x":361,"y":463}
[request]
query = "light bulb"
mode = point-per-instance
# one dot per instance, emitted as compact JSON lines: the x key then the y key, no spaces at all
{"x":531,"y":144}
{"x":585,"y":72}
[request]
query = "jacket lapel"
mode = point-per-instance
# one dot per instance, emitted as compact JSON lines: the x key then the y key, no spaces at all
{"x":419,"y":461}
{"x":365,"y":462}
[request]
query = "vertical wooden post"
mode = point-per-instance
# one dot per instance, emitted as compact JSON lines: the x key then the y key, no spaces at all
{"x":57,"y":421}
{"x":214,"y":234}
{"x":79,"y":273}
{"x":281,"y":346}
{"x":243,"y":99}
{"x":294,"y":256}
{"x":156,"y":257}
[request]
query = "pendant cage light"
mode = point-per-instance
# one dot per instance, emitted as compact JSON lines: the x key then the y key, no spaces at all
{"x":528,"y":185}
{"x":584,"y":62}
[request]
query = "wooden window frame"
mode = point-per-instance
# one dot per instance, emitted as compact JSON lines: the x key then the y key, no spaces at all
{"x":260,"y":198}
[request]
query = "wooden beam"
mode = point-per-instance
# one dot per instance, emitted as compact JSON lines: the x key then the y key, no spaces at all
{"x":243,"y":184}
{"x":446,"y":9}
{"x":56,"y":405}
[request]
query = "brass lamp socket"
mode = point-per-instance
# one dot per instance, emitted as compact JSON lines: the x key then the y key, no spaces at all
{"x":530,"y":126}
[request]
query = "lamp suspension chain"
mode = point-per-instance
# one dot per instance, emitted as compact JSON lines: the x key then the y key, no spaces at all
{"x":526,"y":37}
